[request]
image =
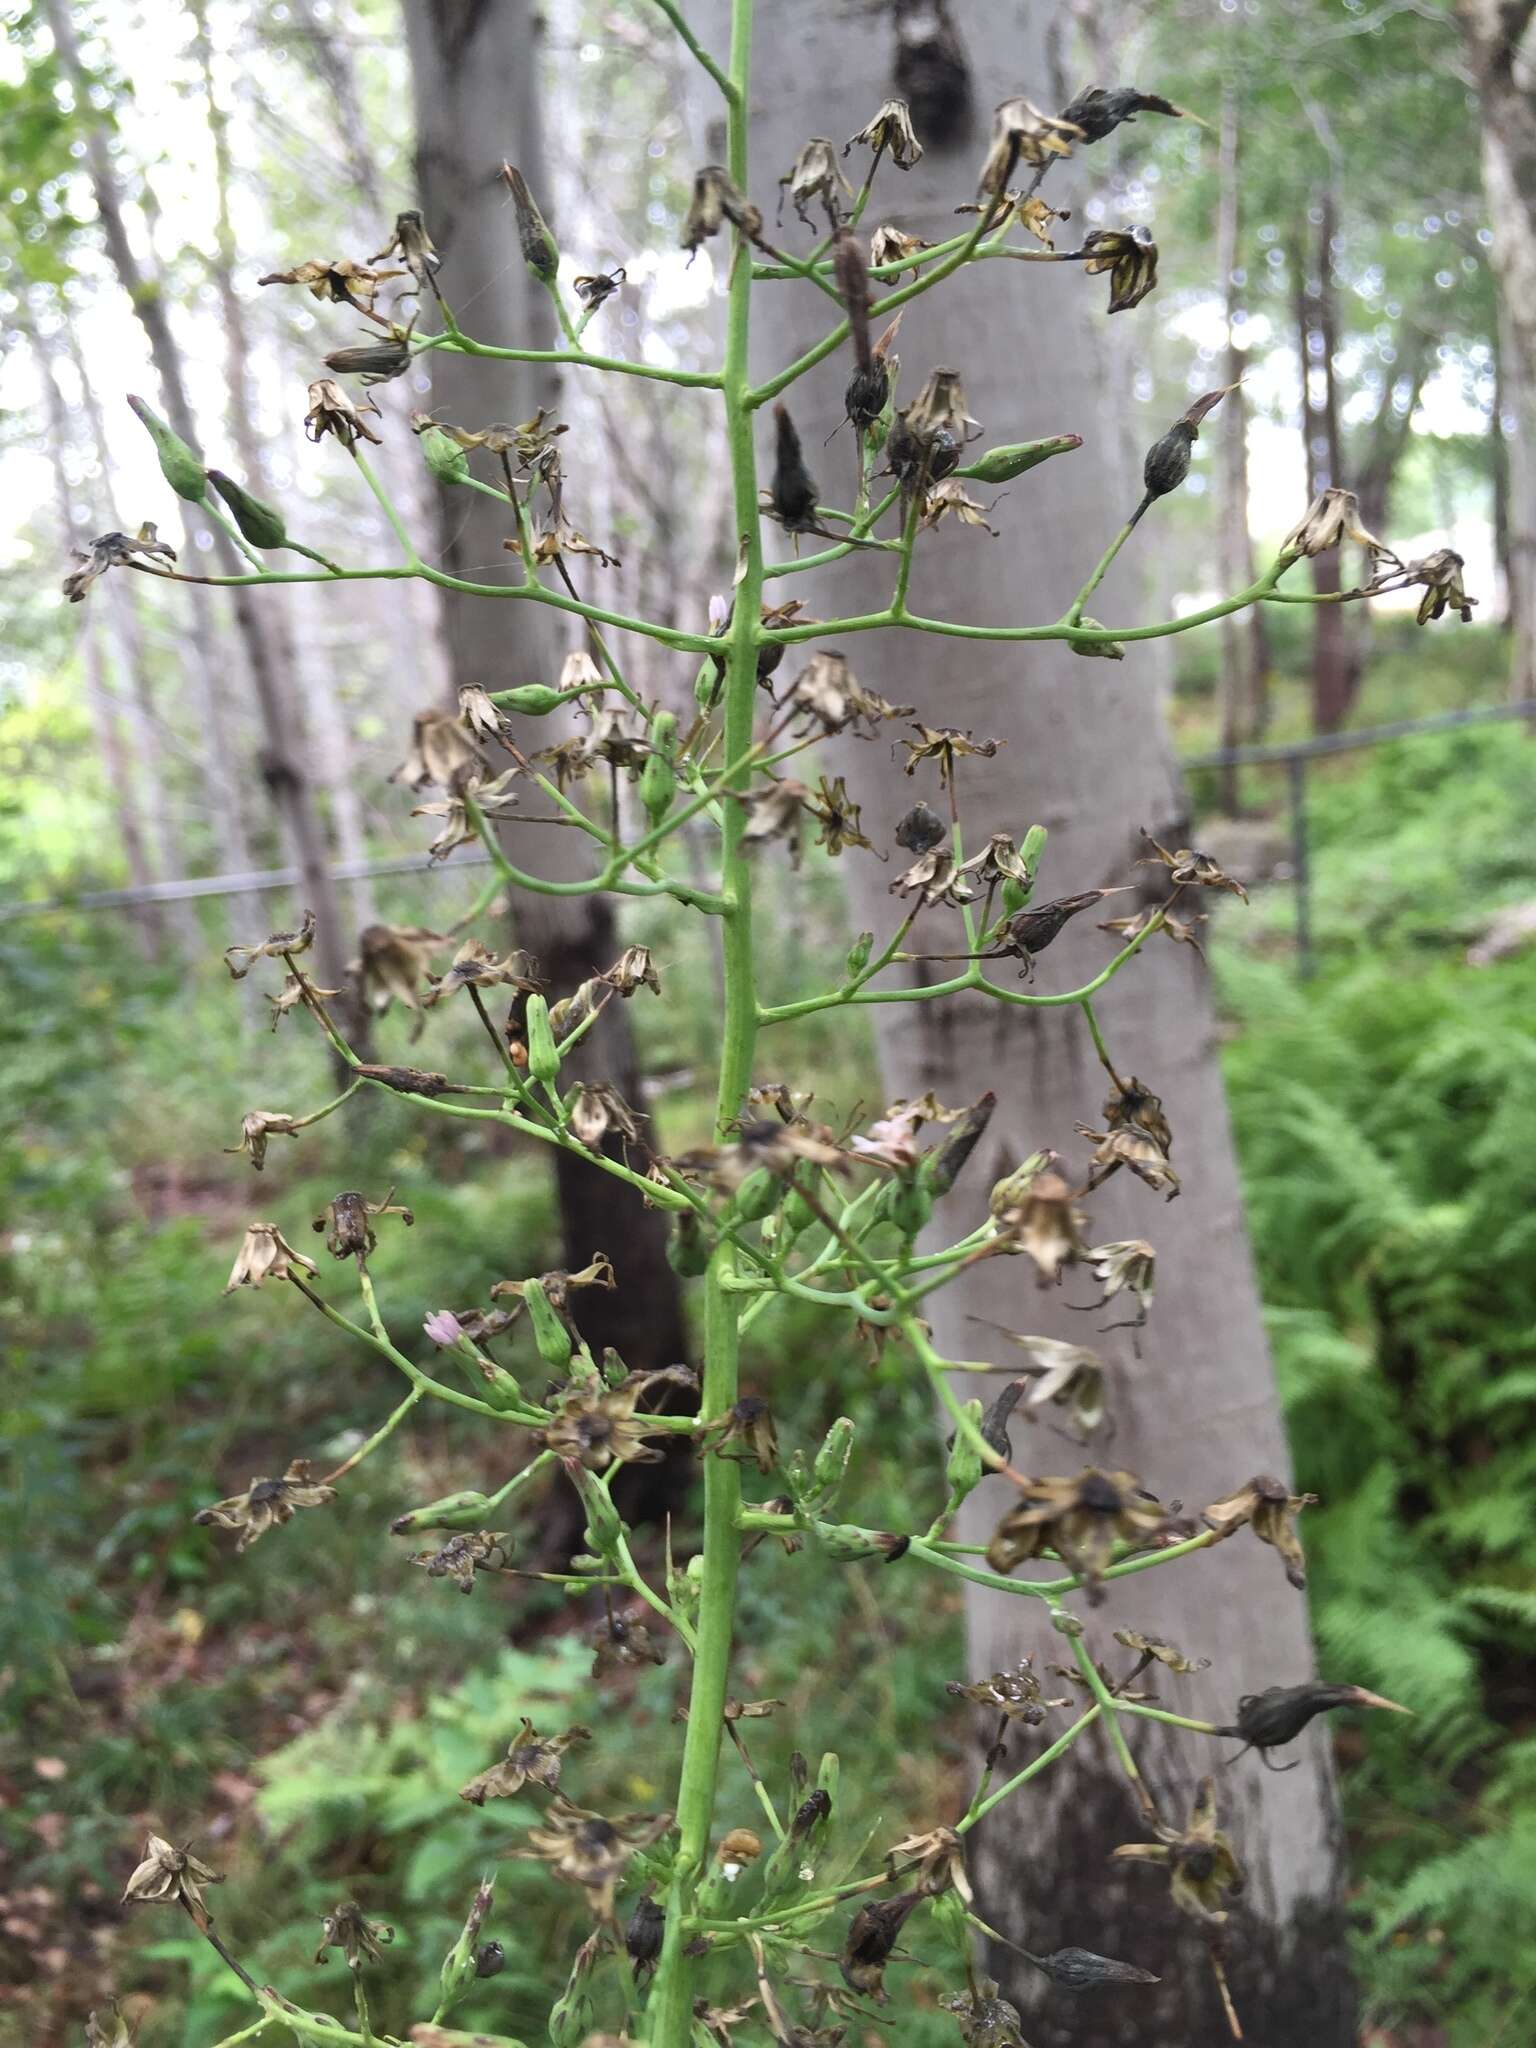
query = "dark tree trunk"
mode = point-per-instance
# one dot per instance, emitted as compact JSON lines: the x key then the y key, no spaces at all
{"x":1336,"y":666}
{"x":475,"y":65}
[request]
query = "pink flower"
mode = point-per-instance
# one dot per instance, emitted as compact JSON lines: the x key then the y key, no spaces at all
{"x":444,"y":1327}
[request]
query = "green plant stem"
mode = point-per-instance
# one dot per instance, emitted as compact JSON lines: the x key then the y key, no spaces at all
{"x":669,"y":2011}
{"x":696,"y":50}
{"x":1075,"y":612}
{"x":619,"y":366}
{"x":1046,"y":1756}
{"x":386,"y":1429}
{"x":1172,"y":1720}
{"x":380,"y":1343}
{"x":1110,"y":1704}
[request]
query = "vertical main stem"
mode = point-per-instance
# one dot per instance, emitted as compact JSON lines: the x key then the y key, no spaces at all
{"x":669,"y":2013}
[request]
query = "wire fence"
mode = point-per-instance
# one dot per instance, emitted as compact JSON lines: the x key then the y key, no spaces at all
{"x":1295,"y":757}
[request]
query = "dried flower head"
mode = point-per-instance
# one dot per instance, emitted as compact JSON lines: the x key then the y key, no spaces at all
{"x":360,"y":1939}
{"x":945,"y":746}
{"x":114,"y":551}
{"x":531,"y":1759}
{"x":889,"y":133}
{"x":413,"y":245}
{"x":1152,"y":1650}
{"x":1188,"y":868}
{"x":1066,"y":1376}
{"x":171,"y":1876}
{"x":1130,"y":259}
{"x":717,"y":200}
{"x":338,"y":280}
{"x":890,"y":244}
{"x":748,"y":1425}
{"x":109,"y":2028}
{"x":256,"y":1127}
{"x":1015,"y":1694}
{"x":1128,"y":1265}
{"x":1021,"y":134}
{"x":872,"y":1936}
{"x":814,"y":175}
{"x":1201,"y":1866}
{"x":392,"y":959}
{"x":267,"y":1503}
{"x":1180,"y":929}
{"x":585,"y":1849}
{"x":598,"y":1108}
{"x":620,"y":1645}
{"x":596,"y":1425}
{"x":1440,"y":573}
{"x":347,"y":1222}
{"x":476,"y":966}
{"x":939,"y":1858}
{"x":275,"y":947}
{"x":1270,"y":1509}
{"x":1331,"y":517}
{"x":442,"y":755}
{"x":1131,"y":1146}
{"x":1081,"y":1519}
{"x":265,"y":1254}
{"x":838,"y":817}
{"x":478,"y":1550}
{"x":1036,"y":1213}
{"x":331,"y":411}
{"x":597,"y":289}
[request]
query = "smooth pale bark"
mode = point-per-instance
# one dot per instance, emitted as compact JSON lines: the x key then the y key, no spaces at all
{"x":1089,"y":757}
{"x":1244,"y":687}
{"x":475,"y":67}
{"x":1498,"y":36}
{"x":1336,"y":667}
{"x":280,"y":764}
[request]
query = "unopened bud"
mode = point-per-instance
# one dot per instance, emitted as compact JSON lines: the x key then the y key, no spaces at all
{"x":179,"y":464}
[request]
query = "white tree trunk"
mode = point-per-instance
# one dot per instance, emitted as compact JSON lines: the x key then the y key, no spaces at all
{"x":1089,"y":757}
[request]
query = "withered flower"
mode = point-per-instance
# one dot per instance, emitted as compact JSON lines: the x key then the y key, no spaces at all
{"x":767,"y":1142}
{"x":272,"y":948}
{"x":872,"y":1936}
{"x":951,"y":497}
{"x":1079,"y":1969}
{"x":738,"y":1848}
{"x":921,"y":829}
{"x":531,"y":1759}
{"x":479,"y":1550}
{"x":775,"y":810}
{"x":829,"y":692}
{"x":296,"y":990}
{"x":331,"y":411}
{"x":442,"y":755}
{"x":265,"y":1255}
{"x":595,"y":1425}
{"x":1130,"y":1146}
{"x":945,"y":745}
{"x":934,"y":878}
{"x":476,"y":966}
{"x":633,"y":969}
{"x":792,"y":498}
{"x":1022,"y":134}
{"x":1101,"y":109}
{"x":748,"y":1424}
{"x":340,"y":281}
{"x":1277,"y":1715}
{"x":998,"y":861}
{"x":392,"y":961}
{"x":1167,"y":461}
{"x":376,"y":362}
{"x":1154,"y":1651}
{"x":585,"y":1849}
{"x":346,"y":1220}
{"x":1081,"y":1519}
{"x":1330,"y":518}
{"x":838,"y":816}
{"x":360,"y":1939}
{"x":1129,"y":1264}
{"x":256,"y":1127}
{"x":1129,"y":1103}
{"x":567,"y":760}
{"x":716,"y":200}
{"x":599,"y":1108}
{"x":643,"y":1937}
{"x":113,"y":551}
{"x":1180,"y":929}
{"x":890,"y":244}
{"x":1130,"y":259}
{"x":171,"y":1876}
{"x":619,"y":739}
{"x":814,"y":175}
{"x":985,"y":2019}
{"x":267,"y":1503}
{"x":1015,"y":1694}
{"x":890,"y":134}
{"x":1068,"y":1376}
{"x":109,"y":2029}
{"x":1188,"y":868}
{"x":411,"y":242}
{"x":556,"y":537}
{"x":620,"y":1645}
{"x":1036,"y":1213}
{"x":939,"y":1860}
{"x":596,"y":290}
{"x":584,"y":1003}
{"x":868,"y":390}
{"x":1201,"y":1866}
{"x":1440,"y":574}
{"x":1270,"y":1509}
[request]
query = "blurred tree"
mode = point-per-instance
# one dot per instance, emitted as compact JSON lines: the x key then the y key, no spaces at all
{"x":478,"y":90}
{"x":1087,"y":754}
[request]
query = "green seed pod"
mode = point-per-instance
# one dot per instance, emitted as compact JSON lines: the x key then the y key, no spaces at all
{"x":1001,"y":465}
{"x":658,"y":786}
{"x":664,"y":734}
{"x":260,"y":524}
{"x":605,"y":1525}
{"x":543,"y":1055}
{"x":844,"y":1543}
{"x":798,"y":1213}
{"x":533,"y":700}
{"x":964,"y":1469}
{"x":858,"y":955}
{"x":687,"y":1246}
{"x":448,"y":462}
{"x":757,"y":1197}
{"x":179,"y":464}
{"x":540,"y":252}
{"x":906,"y":1203}
{"x":831,"y":1466}
{"x":454,"y":1511}
{"x":549,"y":1333}
{"x":1065,"y":1622}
